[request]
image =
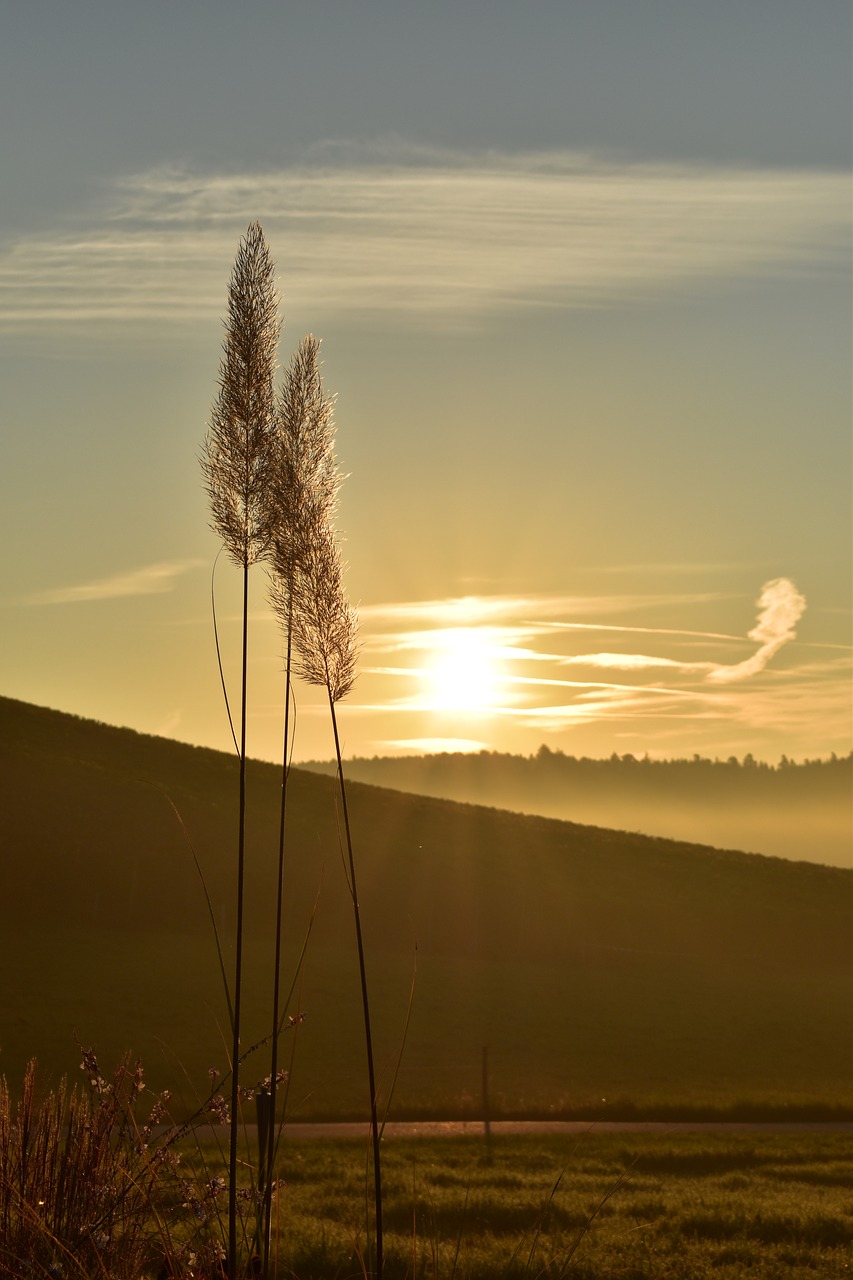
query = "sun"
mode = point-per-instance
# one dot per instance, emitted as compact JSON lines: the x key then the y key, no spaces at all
{"x":464,"y":672}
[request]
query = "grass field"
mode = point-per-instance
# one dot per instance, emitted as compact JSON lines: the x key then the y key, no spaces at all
{"x":596,"y":1207}
{"x":561,"y":1042}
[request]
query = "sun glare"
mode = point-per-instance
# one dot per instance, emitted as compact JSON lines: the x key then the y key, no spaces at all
{"x":464,"y":672}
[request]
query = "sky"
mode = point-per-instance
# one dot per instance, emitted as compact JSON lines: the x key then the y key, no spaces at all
{"x":582,"y":275}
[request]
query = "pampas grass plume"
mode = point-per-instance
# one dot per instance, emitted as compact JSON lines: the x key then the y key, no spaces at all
{"x":236,"y":455}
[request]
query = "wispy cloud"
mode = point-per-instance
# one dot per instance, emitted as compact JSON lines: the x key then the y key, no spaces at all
{"x":781,"y":607}
{"x":649,"y":631}
{"x":438,"y":237}
{"x":635,"y":662}
{"x":152,"y":579}
{"x":546,"y":611}
{"x":428,"y":746}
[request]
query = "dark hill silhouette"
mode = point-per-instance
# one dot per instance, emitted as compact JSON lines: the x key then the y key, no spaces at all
{"x":594,"y":963}
{"x":799,"y":811}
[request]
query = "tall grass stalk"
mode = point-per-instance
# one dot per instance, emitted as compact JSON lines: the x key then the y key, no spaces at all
{"x":302,"y":493}
{"x":325,"y":639}
{"x":236,"y":462}
{"x":368,"y":1038}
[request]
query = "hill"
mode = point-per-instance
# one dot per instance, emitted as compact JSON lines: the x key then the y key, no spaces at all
{"x":800,"y":811}
{"x":596,"y":965}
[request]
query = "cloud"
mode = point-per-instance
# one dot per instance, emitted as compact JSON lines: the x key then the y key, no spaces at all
{"x":536,"y":612}
{"x":427,"y":746}
{"x":638,"y":704}
{"x":781,"y":607}
{"x":440,"y":238}
{"x":650,"y":631}
{"x":167,"y":728}
{"x":634,"y":662}
{"x":151,"y":580}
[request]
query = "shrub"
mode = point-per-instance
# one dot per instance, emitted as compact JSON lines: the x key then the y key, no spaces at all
{"x":76,"y":1180}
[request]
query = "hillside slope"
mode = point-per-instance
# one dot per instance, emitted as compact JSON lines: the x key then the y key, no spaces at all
{"x":595,"y":965}
{"x":800,"y":811}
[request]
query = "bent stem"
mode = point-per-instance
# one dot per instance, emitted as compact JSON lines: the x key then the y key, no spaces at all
{"x":368,"y":1039}
{"x":219,"y":651}
{"x":217,"y":940}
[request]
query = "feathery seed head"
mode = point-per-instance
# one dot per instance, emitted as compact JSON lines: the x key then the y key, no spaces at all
{"x":325,"y":628}
{"x":304,"y":484}
{"x":236,"y":454}
{"x":307,"y":590}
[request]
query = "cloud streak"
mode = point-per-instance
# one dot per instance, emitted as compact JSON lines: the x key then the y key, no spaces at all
{"x":153,"y":579}
{"x":549,"y":611}
{"x":635,"y":662}
{"x":781,"y":607}
{"x":435,"y":237}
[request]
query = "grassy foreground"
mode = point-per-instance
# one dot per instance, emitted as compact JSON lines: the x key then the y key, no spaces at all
{"x":636,"y":1206}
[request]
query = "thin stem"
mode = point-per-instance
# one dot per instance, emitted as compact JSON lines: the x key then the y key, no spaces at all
{"x":285,"y":773}
{"x":238,"y":962}
{"x":368,"y":1039}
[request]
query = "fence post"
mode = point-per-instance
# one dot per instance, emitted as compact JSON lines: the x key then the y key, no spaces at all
{"x":266,"y":1119}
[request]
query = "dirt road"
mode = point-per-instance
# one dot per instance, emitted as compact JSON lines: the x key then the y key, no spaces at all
{"x":474,"y":1128}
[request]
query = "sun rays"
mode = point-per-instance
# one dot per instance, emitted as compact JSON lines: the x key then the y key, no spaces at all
{"x":462,"y":664}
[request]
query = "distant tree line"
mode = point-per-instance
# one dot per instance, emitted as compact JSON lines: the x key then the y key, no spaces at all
{"x":547,"y":753}
{"x":793,"y":809}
